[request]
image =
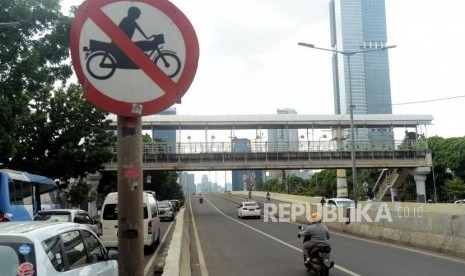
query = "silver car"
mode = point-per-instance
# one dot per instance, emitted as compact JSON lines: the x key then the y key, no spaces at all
{"x":67,"y":215}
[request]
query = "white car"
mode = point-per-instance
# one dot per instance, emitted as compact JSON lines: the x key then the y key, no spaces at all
{"x":340,"y":202}
{"x":66,"y":215}
{"x":53,"y":248}
{"x":460,"y":201}
{"x":248,"y":209}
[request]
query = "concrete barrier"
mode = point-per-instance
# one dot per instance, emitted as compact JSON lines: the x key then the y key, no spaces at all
{"x":437,"y":227}
{"x":177,"y":261}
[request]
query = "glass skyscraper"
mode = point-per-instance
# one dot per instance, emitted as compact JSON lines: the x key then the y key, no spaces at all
{"x":358,"y":25}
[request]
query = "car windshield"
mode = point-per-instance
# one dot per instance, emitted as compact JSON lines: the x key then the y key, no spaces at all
{"x":16,"y":256}
{"x":52,"y":216}
{"x":164,"y":205}
{"x":110,"y":212}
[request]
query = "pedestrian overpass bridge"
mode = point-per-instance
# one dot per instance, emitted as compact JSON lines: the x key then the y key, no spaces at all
{"x":308,"y":152}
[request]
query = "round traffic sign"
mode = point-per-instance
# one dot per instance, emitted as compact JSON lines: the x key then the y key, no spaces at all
{"x":133,"y":58}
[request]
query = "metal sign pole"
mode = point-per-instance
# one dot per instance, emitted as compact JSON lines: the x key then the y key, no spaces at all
{"x":130,"y":205}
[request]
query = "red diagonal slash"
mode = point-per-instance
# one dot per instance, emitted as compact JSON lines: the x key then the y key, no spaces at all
{"x":132,"y":51}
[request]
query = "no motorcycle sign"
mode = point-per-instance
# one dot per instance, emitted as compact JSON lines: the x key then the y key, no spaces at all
{"x":133,"y":58}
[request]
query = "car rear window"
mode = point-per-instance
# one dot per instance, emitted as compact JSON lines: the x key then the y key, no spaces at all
{"x":52,"y":216}
{"x":250,"y":204}
{"x":110,"y":212}
{"x":17,"y":259}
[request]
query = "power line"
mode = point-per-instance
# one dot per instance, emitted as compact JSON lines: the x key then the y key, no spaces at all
{"x":432,"y":100}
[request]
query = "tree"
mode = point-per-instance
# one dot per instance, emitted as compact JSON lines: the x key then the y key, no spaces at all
{"x":33,"y":59}
{"x":454,"y":188}
{"x":63,"y":137}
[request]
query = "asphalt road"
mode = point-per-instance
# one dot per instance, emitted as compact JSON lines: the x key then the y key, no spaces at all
{"x":231,"y":246}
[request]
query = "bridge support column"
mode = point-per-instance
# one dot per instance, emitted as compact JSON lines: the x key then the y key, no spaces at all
{"x":394,"y":194}
{"x":419,"y":174}
{"x":342,"y":184}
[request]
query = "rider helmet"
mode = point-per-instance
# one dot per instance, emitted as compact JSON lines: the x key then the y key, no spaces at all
{"x":315,"y":217}
{"x":134,"y":12}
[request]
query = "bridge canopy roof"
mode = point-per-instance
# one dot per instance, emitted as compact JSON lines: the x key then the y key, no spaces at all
{"x":281,"y":121}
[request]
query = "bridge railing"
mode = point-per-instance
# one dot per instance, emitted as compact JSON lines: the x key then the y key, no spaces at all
{"x":259,"y":147}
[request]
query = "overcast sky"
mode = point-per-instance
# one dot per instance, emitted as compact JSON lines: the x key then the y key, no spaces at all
{"x":250,"y":62}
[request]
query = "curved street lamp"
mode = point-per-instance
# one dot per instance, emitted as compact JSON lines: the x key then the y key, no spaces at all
{"x":348,"y":54}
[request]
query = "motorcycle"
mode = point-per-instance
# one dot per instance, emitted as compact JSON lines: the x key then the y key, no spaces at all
{"x":320,"y":262}
{"x":201,"y":200}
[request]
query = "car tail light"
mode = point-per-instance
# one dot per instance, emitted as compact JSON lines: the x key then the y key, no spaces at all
{"x":150,"y":227}
{"x":258,"y":208}
{"x":245,"y":209}
{"x":100,"y":229}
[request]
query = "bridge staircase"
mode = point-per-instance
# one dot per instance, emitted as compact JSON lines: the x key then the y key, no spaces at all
{"x":389,"y":178}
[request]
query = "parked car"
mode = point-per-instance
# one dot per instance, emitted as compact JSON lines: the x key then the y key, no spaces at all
{"x":176,"y":204}
{"x":108,"y":225}
{"x":340,"y":202}
{"x":248,"y":209}
{"x":42,"y":248}
{"x":67,"y":215}
{"x":460,"y":201}
{"x":166,"y":210}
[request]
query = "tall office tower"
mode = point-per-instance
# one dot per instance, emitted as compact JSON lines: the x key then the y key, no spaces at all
{"x":239,"y":177}
{"x":361,"y":25}
{"x":166,"y":135}
{"x":282,"y":140}
{"x":187,"y":181}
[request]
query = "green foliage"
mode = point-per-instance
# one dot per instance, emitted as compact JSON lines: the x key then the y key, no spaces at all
{"x":63,"y":136}
{"x":33,"y":58}
{"x":79,"y":193}
{"x":454,"y":188}
{"x":165,"y":184}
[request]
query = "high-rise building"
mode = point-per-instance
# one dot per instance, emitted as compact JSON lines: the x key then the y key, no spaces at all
{"x":166,"y":135}
{"x":358,"y":25}
{"x":241,"y":179}
{"x":283,"y":139}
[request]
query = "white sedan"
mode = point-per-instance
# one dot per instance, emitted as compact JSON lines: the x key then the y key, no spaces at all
{"x":248,"y":209}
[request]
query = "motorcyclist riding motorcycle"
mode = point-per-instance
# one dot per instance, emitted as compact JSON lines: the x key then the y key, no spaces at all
{"x":316,"y":245}
{"x":201,"y":198}
{"x":268,"y":196}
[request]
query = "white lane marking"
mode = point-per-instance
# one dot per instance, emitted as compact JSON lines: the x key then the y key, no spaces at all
{"x":203,"y":266}
{"x":154,"y":255}
{"x":278,"y":240}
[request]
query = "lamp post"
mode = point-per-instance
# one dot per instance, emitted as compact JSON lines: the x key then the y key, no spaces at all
{"x":190,"y":145}
{"x":348,"y":54}
{"x":319,"y":143}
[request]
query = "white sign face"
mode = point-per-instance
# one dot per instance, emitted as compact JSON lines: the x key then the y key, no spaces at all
{"x":134,"y":57}
{"x":130,"y":85}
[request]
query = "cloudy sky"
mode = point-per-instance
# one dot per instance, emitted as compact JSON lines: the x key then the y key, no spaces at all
{"x":250,"y":62}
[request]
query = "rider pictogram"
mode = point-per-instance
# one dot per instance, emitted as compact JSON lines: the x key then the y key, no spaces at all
{"x":103,"y":58}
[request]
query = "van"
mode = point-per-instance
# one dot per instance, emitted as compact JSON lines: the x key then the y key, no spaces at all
{"x":108,"y":226}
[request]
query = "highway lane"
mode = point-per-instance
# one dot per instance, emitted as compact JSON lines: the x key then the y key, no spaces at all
{"x":253,"y":247}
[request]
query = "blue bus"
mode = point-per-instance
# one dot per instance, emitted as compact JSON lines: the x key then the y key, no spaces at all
{"x":22,"y":194}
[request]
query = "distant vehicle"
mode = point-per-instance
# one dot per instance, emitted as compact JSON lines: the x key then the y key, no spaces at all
{"x":460,"y":201}
{"x":108,"y":225}
{"x":248,"y":209}
{"x":176,"y":204}
{"x":53,"y":248}
{"x":22,"y":194}
{"x":340,"y":202}
{"x":166,"y":210}
{"x":67,"y":215}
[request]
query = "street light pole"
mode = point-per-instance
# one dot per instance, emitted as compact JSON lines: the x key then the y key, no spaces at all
{"x":348,"y":54}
